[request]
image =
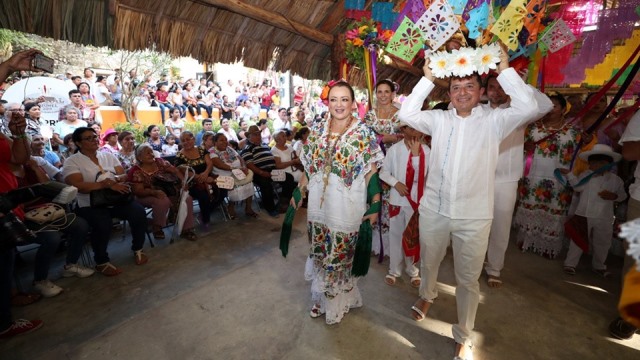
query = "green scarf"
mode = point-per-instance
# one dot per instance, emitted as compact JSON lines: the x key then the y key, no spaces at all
{"x":362,"y":256}
{"x":287,"y":225}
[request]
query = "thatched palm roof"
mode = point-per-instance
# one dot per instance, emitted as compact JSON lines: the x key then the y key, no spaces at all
{"x":296,"y":35}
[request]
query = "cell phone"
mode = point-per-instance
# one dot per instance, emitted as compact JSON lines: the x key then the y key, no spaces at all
{"x":43,"y":63}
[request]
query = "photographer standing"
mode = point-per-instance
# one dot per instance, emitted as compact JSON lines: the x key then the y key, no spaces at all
{"x":13,"y":150}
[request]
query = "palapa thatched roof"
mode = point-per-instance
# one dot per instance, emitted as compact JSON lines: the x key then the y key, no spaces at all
{"x":297,"y":36}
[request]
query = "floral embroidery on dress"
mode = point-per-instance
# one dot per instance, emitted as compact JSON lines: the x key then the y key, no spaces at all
{"x":356,"y":152}
{"x":555,"y":145}
{"x":381,"y":126}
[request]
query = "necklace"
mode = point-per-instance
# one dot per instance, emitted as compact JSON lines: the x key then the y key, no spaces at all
{"x":330,"y":152}
{"x":389,"y":111}
{"x":555,"y":125}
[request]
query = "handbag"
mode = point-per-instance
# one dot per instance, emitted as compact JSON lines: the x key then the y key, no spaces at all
{"x":247,"y":179}
{"x":45,"y":213}
{"x":167,"y":182}
{"x":108,"y":197}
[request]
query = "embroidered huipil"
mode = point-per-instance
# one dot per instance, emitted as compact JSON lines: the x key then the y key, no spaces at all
{"x":463,"y":149}
{"x":334,"y":225}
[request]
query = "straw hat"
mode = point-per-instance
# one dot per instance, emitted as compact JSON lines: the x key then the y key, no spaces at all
{"x":601,"y":149}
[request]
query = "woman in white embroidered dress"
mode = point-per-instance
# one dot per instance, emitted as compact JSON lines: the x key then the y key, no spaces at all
{"x":383,"y":121}
{"x":340,"y":158}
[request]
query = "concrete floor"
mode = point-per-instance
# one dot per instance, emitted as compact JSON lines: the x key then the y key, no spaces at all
{"x":231,"y":295}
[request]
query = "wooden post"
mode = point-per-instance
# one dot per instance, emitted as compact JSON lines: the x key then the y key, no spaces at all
{"x":273,"y":19}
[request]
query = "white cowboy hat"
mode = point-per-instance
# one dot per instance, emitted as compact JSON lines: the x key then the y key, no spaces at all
{"x":601,"y":149}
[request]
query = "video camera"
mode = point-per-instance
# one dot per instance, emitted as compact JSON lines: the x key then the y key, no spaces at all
{"x":15,"y":229}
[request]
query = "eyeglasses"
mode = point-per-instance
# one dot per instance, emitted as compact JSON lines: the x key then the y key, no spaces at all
{"x":90,"y":138}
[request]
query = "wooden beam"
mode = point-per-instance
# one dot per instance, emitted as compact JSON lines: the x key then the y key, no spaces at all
{"x":273,"y":19}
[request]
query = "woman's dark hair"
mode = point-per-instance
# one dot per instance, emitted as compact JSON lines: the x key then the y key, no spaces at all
{"x":174,"y":110}
{"x":262,"y":122}
{"x":342,"y":83}
{"x":147,"y":133}
{"x":28,"y":107}
{"x":67,"y":139}
{"x":242,"y":121}
{"x":301,"y":132}
{"x":234,"y":144}
{"x":85,"y":83}
{"x":561,"y":100}
{"x":77,"y":135}
{"x":392,"y":85}
{"x":123,"y":135}
{"x":100,"y":78}
{"x":184,"y":87}
{"x":217,"y":136}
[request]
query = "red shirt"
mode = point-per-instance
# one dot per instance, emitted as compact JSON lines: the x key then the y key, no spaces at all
{"x":161,"y":96}
{"x":8,"y":181}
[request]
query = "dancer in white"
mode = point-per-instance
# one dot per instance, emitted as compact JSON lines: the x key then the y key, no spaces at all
{"x":458,"y":202}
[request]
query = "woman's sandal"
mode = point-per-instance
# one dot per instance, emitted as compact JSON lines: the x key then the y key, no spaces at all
{"x":569,"y":270}
{"x":107,"y":269}
{"x":315,"y":311}
{"x":189,"y":235}
{"x":421,"y":311}
{"x":415,"y":281}
{"x":252,"y":214}
{"x":140,"y":257}
{"x":390,"y":280}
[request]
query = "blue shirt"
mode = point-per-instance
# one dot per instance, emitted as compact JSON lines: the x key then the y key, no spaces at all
{"x":51,"y":157}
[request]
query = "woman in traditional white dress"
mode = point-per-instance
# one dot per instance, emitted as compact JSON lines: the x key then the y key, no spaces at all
{"x":340,"y":158}
{"x":383,"y":120}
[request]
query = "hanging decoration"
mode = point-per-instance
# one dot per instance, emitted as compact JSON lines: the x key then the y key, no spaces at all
{"x":558,"y":36}
{"x":355,"y":9}
{"x":437,"y":25}
{"x":508,"y":26}
{"x":412,"y":9}
{"x":471,"y":5}
{"x":458,"y":6}
{"x":363,"y":35}
{"x":533,"y":21}
{"x":382,"y":12}
{"x":478,"y":20}
{"x":406,"y":42}
{"x":612,"y":24}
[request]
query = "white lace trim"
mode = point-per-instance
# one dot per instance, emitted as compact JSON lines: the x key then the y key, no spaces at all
{"x":539,"y":231}
{"x":335,"y":300}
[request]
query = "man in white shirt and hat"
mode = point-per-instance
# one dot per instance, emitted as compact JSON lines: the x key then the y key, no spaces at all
{"x":458,"y":201}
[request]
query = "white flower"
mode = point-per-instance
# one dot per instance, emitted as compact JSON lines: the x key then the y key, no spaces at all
{"x":631,"y":232}
{"x":462,"y":62}
{"x":486,"y":58}
{"x":439,"y":63}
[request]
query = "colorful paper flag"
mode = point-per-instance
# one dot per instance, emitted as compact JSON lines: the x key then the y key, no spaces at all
{"x":508,"y":26}
{"x":406,"y":42}
{"x":382,"y":12}
{"x":357,"y":14}
{"x":412,"y":9}
{"x":438,"y":24}
{"x":458,"y":6}
{"x":478,"y":20}
{"x":535,"y":12}
{"x":558,"y":36}
{"x":473,"y":4}
{"x":354,"y":4}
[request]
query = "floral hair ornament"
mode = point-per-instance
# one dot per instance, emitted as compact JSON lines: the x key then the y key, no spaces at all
{"x":324,"y":95}
{"x":465,"y":61}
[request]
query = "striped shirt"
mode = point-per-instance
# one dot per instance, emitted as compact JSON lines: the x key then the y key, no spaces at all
{"x":259,"y":155}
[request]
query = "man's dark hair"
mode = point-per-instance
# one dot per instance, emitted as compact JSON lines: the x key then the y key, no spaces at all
{"x":475,"y":75}
{"x":75,"y":77}
{"x":74,"y":91}
{"x":204,"y":121}
{"x":491,"y":75}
